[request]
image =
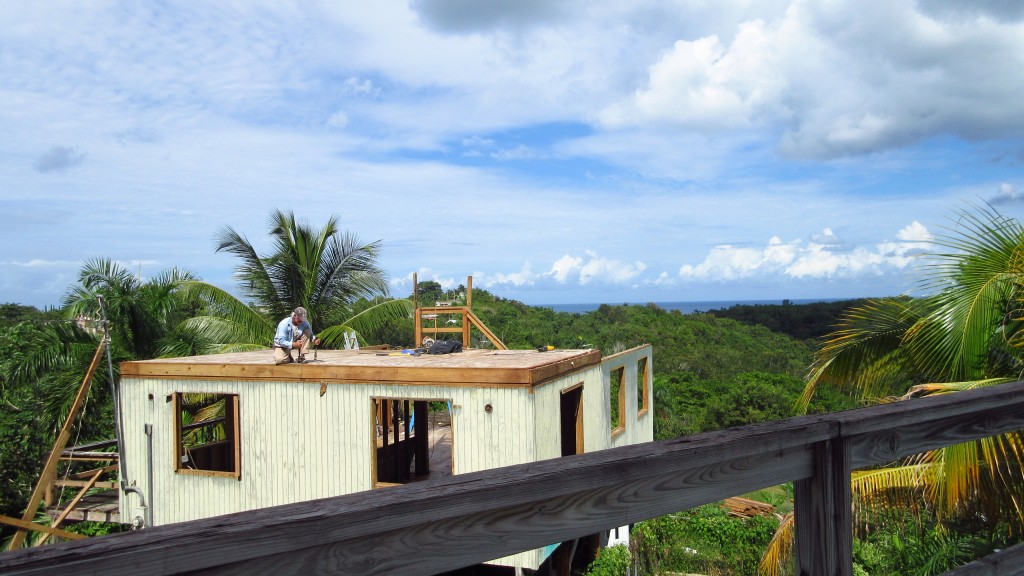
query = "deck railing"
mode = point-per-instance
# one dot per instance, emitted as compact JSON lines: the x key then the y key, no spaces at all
{"x":443,"y":525}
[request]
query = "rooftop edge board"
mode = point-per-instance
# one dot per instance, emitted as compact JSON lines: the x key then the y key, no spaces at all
{"x":471,"y":367}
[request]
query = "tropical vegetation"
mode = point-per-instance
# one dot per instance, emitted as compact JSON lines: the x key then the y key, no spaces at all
{"x":967,"y":333}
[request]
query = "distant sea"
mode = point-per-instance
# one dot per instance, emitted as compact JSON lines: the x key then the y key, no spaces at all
{"x":684,"y":307}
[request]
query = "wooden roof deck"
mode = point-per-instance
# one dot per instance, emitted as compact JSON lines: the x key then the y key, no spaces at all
{"x":471,"y":367}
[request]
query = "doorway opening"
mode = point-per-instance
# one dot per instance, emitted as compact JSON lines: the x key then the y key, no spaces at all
{"x":571,"y":410}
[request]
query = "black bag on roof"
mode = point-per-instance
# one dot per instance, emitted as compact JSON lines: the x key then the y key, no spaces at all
{"x":445,"y":347}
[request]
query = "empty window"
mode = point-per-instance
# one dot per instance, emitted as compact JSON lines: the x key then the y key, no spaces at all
{"x":643,"y":387}
{"x":617,"y":399}
{"x":206,"y":434}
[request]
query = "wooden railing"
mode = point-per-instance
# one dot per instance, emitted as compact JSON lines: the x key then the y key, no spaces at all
{"x":435,"y":526}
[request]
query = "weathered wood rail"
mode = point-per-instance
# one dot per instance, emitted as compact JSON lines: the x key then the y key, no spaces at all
{"x":437,"y":526}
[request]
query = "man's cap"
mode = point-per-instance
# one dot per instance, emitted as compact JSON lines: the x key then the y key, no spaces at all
{"x":300,"y":312}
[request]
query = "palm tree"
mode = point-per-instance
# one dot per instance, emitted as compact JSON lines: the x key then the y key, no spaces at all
{"x":144,"y":316}
{"x":326,"y":270}
{"x":966,"y":335}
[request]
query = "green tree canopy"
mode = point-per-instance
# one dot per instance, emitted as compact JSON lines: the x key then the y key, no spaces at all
{"x":326,"y":270}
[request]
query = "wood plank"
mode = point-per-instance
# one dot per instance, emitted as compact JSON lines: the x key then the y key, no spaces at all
{"x":40,"y":528}
{"x":88,"y":473}
{"x":822,"y":506}
{"x":80,"y":483}
{"x":881,"y":434}
{"x":475,"y":368}
{"x":542,"y":374}
{"x":88,"y":456}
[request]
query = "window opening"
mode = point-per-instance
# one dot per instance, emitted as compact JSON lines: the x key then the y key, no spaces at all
{"x":617,"y":399}
{"x":643,"y":387}
{"x":207,"y":434}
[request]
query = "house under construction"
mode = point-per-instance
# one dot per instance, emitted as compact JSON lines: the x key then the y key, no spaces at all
{"x":211,"y":435}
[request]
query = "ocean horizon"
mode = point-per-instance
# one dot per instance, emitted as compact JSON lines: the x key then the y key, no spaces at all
{"x":685,"y":307}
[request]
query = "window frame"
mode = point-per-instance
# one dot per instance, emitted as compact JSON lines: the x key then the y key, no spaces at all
{"x":232,"y":431}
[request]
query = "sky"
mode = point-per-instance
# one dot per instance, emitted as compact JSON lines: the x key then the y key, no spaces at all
{"x":559,"y":151}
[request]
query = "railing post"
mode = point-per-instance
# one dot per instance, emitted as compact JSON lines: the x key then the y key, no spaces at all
{"x":822,"y":507}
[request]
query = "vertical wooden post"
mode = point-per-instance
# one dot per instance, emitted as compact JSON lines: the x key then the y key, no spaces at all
{"x":417,"y":323}
{"x":822,"y":509}
{"x":465,"y":317}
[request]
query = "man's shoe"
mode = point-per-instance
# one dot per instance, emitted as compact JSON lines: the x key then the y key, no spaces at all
{"x":302,"y":359}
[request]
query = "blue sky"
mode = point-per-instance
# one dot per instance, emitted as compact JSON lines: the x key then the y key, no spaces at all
{"x":557,"y":150}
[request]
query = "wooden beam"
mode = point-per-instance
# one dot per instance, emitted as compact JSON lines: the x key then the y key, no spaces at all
{"x":88,"y":473}
{"x":40,"y":528}
{"x":50,"y":468}
{"x":89,"y":456}
{"x":79,"y":483}
{"x":822,"y":506}
{"x":472,"y":319}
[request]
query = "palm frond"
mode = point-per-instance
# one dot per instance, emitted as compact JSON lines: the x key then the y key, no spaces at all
{"x":890,"y":487}
{"x":863,"y":355}
{"x":252,"y":273}
{"x":779,"y":552}
{"x":372,"y":318}
{"x":974,"y":282}
{"x":936,"y":388}
{"x":240,"y":322}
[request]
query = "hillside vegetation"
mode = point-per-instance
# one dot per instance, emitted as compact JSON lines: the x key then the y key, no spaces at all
{"x":710,"y":371}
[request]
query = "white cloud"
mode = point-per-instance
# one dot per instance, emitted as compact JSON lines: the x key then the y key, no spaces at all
{"x":593,"y":269}
{"x":524,"y":277}
{"x":520,"y":152}
{"x":338,"y":120}
{"x":564,"y":267}
{"x":1007,"y":194}
{"x":839,"y":78}
{"x":605,"y":270}
{"x":39,"y":263}
{"x":662,"y":122}
{"x":825,"y":256}
{"x":706,"y":85}
{"x":358,"y":87}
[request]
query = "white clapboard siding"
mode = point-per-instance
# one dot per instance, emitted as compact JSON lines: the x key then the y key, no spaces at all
{"x":638,"y":428}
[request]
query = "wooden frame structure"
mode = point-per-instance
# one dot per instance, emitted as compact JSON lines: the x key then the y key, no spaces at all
{"x":500,"y":511}
{"x":44,"y":491}
{"x":466,"y":319}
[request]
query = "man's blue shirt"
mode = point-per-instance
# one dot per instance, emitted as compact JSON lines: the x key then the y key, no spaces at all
{"x":285,"y":334}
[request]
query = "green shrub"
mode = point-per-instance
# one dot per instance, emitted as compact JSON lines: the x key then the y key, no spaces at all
{"x":611,"y":561}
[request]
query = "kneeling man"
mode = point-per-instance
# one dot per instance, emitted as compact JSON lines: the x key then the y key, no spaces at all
{"x":293,"y":332}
